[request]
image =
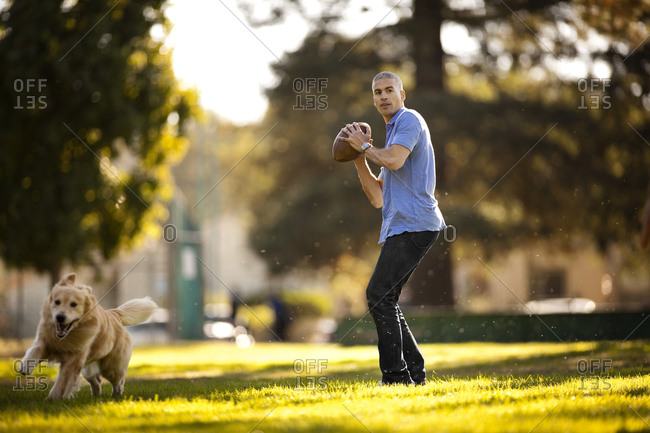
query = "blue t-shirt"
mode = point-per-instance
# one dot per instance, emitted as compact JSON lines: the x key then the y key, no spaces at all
{"x":409,"y":202}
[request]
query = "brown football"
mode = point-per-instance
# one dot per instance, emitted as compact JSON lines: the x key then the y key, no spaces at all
{"x":341,"y":149}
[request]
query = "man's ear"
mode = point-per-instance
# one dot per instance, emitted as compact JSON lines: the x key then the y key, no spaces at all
{"x":403,"y":94}
{"x":67,"y":280}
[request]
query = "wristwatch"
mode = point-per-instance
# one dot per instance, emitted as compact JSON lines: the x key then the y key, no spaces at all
{"x":365,"y":146}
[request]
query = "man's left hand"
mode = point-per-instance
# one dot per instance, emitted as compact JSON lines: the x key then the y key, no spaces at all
{"x":356,"y":137}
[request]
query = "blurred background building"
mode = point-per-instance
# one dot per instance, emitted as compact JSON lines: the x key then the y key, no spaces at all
{"x":135,"y":155}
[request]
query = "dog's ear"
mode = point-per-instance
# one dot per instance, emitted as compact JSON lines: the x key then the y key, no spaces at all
{"x":48,"y":300}
{"x":67,"y":280}
{"x":90,"y":302}
{"x":85,"y":288}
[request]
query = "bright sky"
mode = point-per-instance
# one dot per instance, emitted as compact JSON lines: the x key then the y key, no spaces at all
{"x":228,"y":61}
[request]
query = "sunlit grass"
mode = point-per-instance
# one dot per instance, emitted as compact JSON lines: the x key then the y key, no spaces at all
{"x":477,"y":387}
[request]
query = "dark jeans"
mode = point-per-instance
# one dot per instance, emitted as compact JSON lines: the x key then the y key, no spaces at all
{"x":400,"y":359}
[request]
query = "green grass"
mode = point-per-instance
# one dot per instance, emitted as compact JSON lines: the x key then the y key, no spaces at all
{"x":476,"y":387}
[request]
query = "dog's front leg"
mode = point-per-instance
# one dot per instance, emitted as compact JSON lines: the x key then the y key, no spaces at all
{"x":67,"y":381}
{"x":34,"y":356}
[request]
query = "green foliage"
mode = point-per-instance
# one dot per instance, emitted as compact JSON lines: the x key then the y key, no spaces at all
{"x":308,"y":303}
{"x":258,"y":318}
{"x":523,"y":153}
{"x":589,"y":175}
{"x":259,"y":314}
{"x":537,"y":170}
{"x":86,"y":150}
{"x":312,"y":209}
{"x":478,"y":387}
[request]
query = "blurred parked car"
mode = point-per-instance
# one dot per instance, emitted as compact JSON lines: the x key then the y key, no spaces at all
{"x":561,"y":305}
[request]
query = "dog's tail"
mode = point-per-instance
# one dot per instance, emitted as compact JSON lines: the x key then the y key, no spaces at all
{"x":135,"y":311}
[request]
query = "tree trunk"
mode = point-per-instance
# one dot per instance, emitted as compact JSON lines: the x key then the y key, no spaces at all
{"x":54,"y":272}
{"x":431,"y":283}
{"x":645,"y":230}
{"x":427,"y":45}
{"x":20,"y":306}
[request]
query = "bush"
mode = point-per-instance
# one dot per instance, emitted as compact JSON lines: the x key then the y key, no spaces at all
{"x":308,"y":303}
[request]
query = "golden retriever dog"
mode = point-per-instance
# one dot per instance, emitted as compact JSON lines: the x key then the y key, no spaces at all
{"x":77,"y":332}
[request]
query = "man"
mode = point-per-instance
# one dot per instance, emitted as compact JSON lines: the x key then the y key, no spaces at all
{"x":411,"y":222}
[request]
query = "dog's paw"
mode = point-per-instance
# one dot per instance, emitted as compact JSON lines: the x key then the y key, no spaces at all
{"x":57,"y":392}
{"x":58,"y":395}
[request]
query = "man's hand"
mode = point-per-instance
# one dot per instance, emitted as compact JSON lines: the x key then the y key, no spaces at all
{"x":356,"y":137}
{"x":392,"y":158}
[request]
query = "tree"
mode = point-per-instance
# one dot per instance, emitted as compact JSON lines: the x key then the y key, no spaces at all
{"x":431,"y":283}
{"x":311,"y":209}
{"x":92,"y":118}
{"x":589,"y":156}
{"x":520,"y":157}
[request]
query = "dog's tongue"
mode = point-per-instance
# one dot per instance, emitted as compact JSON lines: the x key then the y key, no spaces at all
{"x":61,"y":329}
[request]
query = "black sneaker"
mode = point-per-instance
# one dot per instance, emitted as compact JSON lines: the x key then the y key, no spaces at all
{"x":382,"y":383}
